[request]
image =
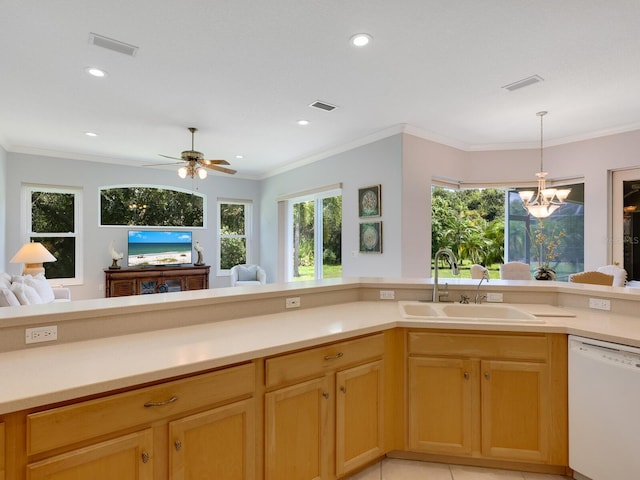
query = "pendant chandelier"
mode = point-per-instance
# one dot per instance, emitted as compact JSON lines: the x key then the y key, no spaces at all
{"x":545,"y":201}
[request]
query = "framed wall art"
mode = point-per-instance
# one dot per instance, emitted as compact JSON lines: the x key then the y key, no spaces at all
{"x":371,"y":237}
{"x":370,"y":201}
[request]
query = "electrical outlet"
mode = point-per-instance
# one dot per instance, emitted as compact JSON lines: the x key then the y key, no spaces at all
{"x":292,"y":302}
{"x":494,"y":297}
{"x":600,"y":303}
{"x":387,"y":295}
{"x":41,"y":334}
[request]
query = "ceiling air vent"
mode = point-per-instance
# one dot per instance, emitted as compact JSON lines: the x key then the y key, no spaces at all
{"x":111,"y":44}
{"x":525,"y":82}
{"x":323,"y":106}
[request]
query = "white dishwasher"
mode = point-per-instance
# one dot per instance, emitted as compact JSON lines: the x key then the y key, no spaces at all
{"x":604,"y":409}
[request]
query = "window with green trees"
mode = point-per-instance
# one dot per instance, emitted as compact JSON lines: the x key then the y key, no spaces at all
{"x":234,"y":227}
{"x":151,"y":207}
{"x":54,"y":220}
{"x":471,"y":222}
{"x":316,"y":236}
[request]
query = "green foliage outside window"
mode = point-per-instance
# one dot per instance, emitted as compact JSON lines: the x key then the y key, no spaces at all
{"x":233,"y":240}
{"x":150,"y":206}
{"x":53,"y":224}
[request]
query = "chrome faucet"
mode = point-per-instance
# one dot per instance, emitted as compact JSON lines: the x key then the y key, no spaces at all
{"x":485,"y":276}
{"x":454,"y":269}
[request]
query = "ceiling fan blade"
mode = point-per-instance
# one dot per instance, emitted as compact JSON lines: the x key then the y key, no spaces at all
{"x":220,"y":169}
{"x":215,"y":162}
{"x":167,"y":156}
{"x":162,"y":164}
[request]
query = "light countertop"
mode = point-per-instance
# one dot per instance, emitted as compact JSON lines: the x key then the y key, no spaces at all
{"x":48,"y":374}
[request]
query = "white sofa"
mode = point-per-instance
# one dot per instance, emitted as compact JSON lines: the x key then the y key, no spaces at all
{"x":29,"y":290}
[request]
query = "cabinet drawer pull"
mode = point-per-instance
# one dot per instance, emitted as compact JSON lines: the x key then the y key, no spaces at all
{"x":145,"y":457}
{"x":487,"y":376}
{"x":160,"y":404}
{"x":343,"y":389}
{"x":325,"y":394}
{"x":178,"y":445}
{"x":466,"y":375}
{"x":333,"y":357}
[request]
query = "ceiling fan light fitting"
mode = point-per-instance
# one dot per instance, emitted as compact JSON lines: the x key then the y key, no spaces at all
{"x":182,"y":172}
{"x":202,"y":173}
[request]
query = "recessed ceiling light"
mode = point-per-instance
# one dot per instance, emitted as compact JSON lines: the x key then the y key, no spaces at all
{"x":96,"y":72}
{"x":361,"y":39}
{"x":239,"y":157}
{"x":91,"y":134}
{"x":303,"y":122}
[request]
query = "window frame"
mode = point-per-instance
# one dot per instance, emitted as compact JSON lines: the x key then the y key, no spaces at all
{"x":27,"y":232}
{"x":317,"y":196}
{"x":158,"y":187}
{"x":248,"y":231}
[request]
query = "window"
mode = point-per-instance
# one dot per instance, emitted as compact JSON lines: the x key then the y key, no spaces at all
{"x":490,"y":226}
{"x":568,"y":220}
{"x":151,"y":207}
{"x":52,"y":217}
{"x":316,"y":236}
{"x":234,"y":233}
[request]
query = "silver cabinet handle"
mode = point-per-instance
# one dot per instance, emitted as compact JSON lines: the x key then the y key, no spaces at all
{"x":325,"y":394}
{"x":466,"y":375}
{"x":160,"y":404}
{"x":178,"y":445}
{"x":145,"y":457}
{"x":333,"y":357}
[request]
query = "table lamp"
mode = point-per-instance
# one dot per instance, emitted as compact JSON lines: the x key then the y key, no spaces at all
{"x":33,"y":255}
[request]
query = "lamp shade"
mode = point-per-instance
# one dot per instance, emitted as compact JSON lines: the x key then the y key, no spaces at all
{"x":33,"y":255}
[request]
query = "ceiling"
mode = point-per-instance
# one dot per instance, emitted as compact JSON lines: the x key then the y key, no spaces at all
{"x":245,"y":71}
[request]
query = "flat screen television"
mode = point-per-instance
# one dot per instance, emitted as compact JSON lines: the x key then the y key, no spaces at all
{"x":150,"y":248}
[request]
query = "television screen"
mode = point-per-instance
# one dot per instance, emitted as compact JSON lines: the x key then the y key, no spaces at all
{"x":149,"y":248}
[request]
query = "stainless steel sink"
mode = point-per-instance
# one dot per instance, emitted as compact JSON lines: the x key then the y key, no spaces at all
{"x":466,"y":312}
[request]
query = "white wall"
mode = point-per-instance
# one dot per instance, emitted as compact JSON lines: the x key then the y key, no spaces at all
{"x":33,"y":169}
{"x":3,"y":208}
{"x":376,"y":163}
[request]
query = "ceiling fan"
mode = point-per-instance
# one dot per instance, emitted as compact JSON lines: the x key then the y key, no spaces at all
{"x":196,"y":163}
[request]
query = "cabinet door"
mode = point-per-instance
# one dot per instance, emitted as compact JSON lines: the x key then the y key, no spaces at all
{"x":2,"y":446}
{"x":515,"y":410}
{"x":129,"y":457}
{"x":296,"y":431}
{"x":359,"y":416}
{"x":218,"y":443}
{"x":440,"y":405}
{"x":122,"y":287}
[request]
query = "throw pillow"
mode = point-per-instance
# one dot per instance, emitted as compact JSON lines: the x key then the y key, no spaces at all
{"x":25,"y":294}
{"x":5,"y":280}
{"x":247,"y":274}
{"x":41,"y":286}
{"x":8,"y":298}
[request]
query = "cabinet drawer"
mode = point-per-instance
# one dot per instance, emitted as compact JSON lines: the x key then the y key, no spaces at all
{"x":517,"y":347}
{"x":82,"y":421}
{"x":317,"y":361}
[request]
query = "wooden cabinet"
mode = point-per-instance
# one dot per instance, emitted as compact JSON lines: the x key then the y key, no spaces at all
{"x":207,"y":421}
{"x":128,"y":457}
{"x":488,"y":395}
{"x":324,"y":410}
{"x":3,"y":464}
{"x":149,"y":280}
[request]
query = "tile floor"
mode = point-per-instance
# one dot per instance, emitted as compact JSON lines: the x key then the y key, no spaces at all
{"x":396,"y":469}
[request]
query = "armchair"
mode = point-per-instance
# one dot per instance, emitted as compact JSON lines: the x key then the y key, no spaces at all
{"x":247,"y":275}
